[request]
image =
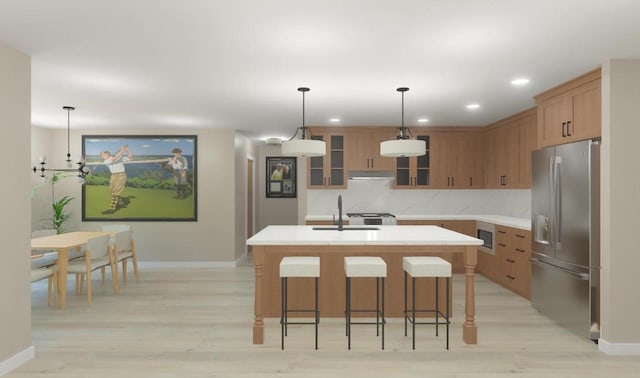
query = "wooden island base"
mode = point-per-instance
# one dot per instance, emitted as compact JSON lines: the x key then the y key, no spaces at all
{"x":332,"y":281}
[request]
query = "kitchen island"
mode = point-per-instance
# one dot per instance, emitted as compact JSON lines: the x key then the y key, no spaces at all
{"x":391,"y":243}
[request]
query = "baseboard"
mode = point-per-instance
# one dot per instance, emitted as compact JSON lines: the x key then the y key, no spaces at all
{"x":17,"y":360}
{"x":186,"y":264}
{"x":619,"y":349}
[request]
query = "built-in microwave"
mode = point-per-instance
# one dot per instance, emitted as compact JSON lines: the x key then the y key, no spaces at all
{"x":487,"y":233}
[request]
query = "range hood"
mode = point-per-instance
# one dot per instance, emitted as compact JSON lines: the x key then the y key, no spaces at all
{"x":371,"y":175}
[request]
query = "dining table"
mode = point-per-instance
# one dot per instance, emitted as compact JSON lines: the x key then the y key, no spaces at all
{"x":63,"y":243}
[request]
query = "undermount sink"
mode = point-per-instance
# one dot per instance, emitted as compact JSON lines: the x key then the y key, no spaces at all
{"x":346,"y":228}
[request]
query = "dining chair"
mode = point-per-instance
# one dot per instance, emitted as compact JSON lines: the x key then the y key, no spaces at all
{"x":98,"y":255}
{"x":115,"y":227}
{"x":41,"y":273}
{"x":125,"y":249}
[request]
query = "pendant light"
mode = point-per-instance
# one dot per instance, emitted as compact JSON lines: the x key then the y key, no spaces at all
{"x":302,"y":146}
{"x":82,"y":169}
{"x":403,"y":145}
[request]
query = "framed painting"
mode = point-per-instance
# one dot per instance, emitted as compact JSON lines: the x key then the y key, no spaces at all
{"x":140,"y":178}
{"x":281,"y":177}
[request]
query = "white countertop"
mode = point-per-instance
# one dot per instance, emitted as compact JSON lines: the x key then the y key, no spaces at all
{"x":385,"y":235}
{"x":520,"y":223}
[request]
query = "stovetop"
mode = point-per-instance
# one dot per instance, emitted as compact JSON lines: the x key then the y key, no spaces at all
{"x":370,"y":215}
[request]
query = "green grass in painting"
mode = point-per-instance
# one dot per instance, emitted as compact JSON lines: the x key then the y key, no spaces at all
{"x":142,"y":203}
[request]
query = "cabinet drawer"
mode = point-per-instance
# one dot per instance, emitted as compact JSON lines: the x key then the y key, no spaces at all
{"x":521,"y":241}
{"x":502,"y":236}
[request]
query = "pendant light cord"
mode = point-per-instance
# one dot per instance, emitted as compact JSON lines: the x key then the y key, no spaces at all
{"x":403,"y":130}
{"x":68,"y":134}
{"x":303,"y":127}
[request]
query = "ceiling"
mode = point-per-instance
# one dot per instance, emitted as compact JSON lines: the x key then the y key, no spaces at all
{"x":237,"y":64}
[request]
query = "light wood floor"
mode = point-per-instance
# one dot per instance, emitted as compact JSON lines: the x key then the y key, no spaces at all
{"x":197,"y":323}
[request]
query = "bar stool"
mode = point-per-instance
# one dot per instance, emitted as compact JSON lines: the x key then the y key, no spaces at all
{"x":425,"y":266}
{"x":365,"y":266}
{"x":298,"y":266}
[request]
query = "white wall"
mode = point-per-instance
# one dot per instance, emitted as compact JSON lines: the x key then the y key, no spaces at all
{"x":244,"y":149}
{"x":620,"y":255}
{"x":378,"y":196}
{"x":212,"y":238}
{"x":15,"y":280}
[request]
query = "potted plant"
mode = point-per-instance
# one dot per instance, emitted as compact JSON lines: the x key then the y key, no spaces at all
{"x":59,"y":215}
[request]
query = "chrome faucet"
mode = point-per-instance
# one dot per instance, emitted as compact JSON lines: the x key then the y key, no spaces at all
{"x":340,"y":227}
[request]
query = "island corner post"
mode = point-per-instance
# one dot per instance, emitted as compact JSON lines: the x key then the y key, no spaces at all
{"x":266,"y":260}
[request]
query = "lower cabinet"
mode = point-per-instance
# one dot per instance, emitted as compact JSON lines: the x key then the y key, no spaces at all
{"x":510,"y":266}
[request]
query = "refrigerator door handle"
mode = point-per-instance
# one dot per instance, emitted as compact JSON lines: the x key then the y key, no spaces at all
{"x":552,"y":210}
{"x":557,"y":197}
{"x":580,"y":276}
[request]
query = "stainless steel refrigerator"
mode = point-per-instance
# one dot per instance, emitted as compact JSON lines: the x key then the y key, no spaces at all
{"x":565,"y":225}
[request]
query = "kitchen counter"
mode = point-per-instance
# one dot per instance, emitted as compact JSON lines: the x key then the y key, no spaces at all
{"x":520,"y":223}
{"x":385,"y":235}
{"x":391,"y":243}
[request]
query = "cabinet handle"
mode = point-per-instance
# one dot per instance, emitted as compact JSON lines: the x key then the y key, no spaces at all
{"x":502,"y":245}
{"x":569,"y":128}
{"x":470,"y":181}
{"x":520,"y":250}
{"x":502,"y":232}
{"x":511,"y":261}
{"x":564,"y":133}
{"x":519,"y":236}
{"x":510,"y":277}
{"x":371,"y":162}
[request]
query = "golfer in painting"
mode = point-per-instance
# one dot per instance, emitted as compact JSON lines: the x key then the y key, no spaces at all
{"x":179,"y":167}
{"x":118,"y":179}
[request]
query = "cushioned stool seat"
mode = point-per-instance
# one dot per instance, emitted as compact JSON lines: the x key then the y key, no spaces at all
{"x":419,"y":267}
{"x":426,"y":266}
{"x":365,"y":266}
{"x":298,"y":266}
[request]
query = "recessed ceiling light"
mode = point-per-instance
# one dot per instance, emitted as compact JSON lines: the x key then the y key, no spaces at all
{"x":520,"y":81}
{"x":473,"y":106}
{"x":334,"y":119}
{"x":423,"y":120}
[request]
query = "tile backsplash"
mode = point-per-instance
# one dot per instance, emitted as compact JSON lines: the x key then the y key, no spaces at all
{"x":378,"y":196}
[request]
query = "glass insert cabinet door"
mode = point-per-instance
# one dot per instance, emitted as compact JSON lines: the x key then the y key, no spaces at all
{"x":414,"y":171}
{"x":328,"y":171}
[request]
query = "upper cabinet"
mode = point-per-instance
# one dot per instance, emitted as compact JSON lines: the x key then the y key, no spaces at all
{"x":509,"y":143}
{"x":570,"y":111}
{"x":363,"y":148}
{"x":328,"y":171}
{"x":456,"y":158}
{"x":414,"y":172}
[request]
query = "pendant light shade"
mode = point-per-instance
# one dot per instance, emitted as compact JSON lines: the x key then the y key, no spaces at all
{"x":403,"y":145}
{"x":302,"y":146}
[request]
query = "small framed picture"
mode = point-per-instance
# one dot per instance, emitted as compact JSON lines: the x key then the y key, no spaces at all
{"x":281,"y":177}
